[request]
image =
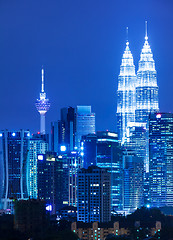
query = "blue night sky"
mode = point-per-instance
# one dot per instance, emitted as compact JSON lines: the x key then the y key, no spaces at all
{"x":80,"y":44}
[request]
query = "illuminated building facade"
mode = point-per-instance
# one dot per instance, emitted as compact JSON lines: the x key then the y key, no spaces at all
{"x":50,"y":180}
{"x":94,"y":195}
{"x":161,"y":159}
{"x":38,"y":145}
{"x":136,"y":96}
{"x":126,"y":93}
{"x":42,"y":106}
{"x":85,"y":123}
{"x":133,"y":181}
{"x":72,"y":162}
{"x":103,"y":150}
{"x":15,"y":157}
{"x":146,"y":89}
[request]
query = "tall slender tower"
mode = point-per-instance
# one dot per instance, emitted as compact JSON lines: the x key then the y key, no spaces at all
{"x":146,"y":89}
{"x":126,"y":93}
{"x":42,"y":105}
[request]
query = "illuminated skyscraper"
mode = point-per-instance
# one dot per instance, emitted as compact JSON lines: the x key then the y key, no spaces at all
{"x":146,"y":88}
{"x":126,"y":93}
{"x":42,"y":105}
{"x":161,"y":159}
{"x":85,"y":122}
{"x":15,"y":158}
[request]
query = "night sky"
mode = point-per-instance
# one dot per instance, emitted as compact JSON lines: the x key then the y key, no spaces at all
{"x":80,"y":44}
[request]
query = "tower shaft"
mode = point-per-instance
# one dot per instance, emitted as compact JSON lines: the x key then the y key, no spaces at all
{"x":42,"y":123}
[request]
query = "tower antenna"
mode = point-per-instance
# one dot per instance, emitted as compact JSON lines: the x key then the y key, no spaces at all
{"x":127,"y":34}
{"x":146,"y":34}
{"x":42,"y":78}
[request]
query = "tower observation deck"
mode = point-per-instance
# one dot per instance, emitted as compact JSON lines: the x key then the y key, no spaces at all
{"x":42,"y":105}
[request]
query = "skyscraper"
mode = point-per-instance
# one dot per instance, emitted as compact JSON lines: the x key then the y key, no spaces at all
{"x":103,"y":150}
{"x":38,"y":145}
{"x":133,"y":180}
{"x":50,"y":180}
{"x":126,"y":93}
{"x":85,"y":122}
{"x":15,"y":158}
{"x":161,"y":159}
{"x":42,"y":105}
{"x":136,"y":97}
{"x":94,"y":188}
{"x":146,"y":87}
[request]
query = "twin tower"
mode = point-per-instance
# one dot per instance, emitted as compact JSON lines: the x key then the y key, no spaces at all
{"x":137,"y":93}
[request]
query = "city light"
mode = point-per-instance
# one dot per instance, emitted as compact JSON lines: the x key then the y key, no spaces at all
{"x":63,"y":148}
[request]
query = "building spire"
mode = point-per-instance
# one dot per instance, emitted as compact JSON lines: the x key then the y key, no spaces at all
{"x":127,"y":36}
{"x":146,"y":34}
{"x":42,"y":78}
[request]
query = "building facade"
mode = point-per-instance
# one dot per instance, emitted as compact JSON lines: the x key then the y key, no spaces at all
{"x":161,"y":159}
{"x":126,"y":101}
{"x":50,"y":180}
{"x":85,"y":122}
{"x":103,"y":150}
{"x":15,"y":158}
{"x":94,"y":195}
{"x":38,"y":145}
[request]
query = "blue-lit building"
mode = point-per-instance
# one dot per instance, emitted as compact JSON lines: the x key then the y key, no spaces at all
{"x":126,"y":94}
{"x":94,"y":195}
{"x":161,"y":159}
{"x":15,"y":147}
{"x":85,"y":123}
{"x":71,"y":163}
{"x":147,"y":99}
{"x":50,"y":180}
{"x":133,"y":181}
{"x":103,"y":150}
{"x":38,"y":145}
{"x":137,"y":94}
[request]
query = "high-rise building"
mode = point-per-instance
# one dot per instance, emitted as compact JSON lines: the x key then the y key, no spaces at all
{"x":103,"y":150}
{"x":94,"y":195}
{"x":85,"y":122}
{"x":72,"y":162}
{"x":38,"y":145}
{"x":50,"y":180}
{"x":136,"y":97}
{"x":146,"y":87}
{"x":15,"y":159}
{"x":161,"y":159}
{"x":133,"y":181}
{"x":42,"y":106}
{"x":126,"y":93}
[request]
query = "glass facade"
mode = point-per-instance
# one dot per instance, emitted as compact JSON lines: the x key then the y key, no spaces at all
{"x":15,"y":158}
{"x":161,"y":159}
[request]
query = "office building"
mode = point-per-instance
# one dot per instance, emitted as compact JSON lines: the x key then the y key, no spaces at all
{"x":42,"y":106}
{"x":15,"y":161}
{"x":94,"y":195}
{"x":136,"y":96}
{"x":72,"y":162}
{"x":50,"y":181}
{"x":63,"y":131}
{"x":133,"y":181}
{"x":146,"y":87}
{"x":38,"y":145}
{"x":103,"y":150}
{"x":126,"y":93}
{"x":85,"y":122}
{"x":161,"y":159}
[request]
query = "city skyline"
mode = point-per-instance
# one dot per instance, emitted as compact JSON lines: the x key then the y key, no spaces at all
{"x":81,"y":59}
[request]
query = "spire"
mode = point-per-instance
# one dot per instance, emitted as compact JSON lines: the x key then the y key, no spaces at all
{"x":146,"y":34}
{"x":127,"y":36}
{"x":42,"y":78}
